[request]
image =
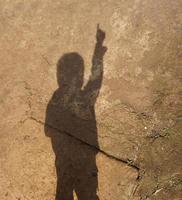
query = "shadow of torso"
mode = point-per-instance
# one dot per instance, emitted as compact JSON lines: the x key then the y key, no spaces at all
{"x":75,"y":161}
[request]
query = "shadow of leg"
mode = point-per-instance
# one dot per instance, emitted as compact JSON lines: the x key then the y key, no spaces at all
{"x":64,"y":187}
{"x":86,"y":186}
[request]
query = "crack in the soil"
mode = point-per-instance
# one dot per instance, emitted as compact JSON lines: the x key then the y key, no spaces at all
{"x":128,"y":161}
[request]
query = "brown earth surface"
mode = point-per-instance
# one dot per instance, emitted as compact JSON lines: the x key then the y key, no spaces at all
{"x":131,"y":148}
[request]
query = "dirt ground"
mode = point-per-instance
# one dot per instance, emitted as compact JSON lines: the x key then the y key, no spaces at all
{"x":115,"y":130}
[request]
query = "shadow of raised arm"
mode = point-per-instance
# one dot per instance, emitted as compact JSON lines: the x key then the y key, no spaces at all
{"x":93,"y":86}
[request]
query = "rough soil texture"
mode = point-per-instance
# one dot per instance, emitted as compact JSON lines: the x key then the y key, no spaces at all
{"x":138,"y":111}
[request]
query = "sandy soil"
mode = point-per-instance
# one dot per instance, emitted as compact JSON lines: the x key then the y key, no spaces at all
{"x":115,"y":132}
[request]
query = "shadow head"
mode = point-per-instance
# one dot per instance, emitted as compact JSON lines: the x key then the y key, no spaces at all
{"x":70,"y":71}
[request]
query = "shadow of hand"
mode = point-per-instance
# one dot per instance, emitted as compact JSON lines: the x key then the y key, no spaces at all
{"x":100,"y":36}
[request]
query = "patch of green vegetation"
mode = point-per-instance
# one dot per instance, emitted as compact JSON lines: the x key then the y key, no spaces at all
{"x":174,"y":182}
{"x":179,"y":117}
{"x":167,"y":132}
